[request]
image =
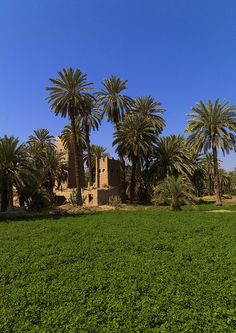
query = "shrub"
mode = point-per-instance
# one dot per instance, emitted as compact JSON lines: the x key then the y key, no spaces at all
{"x":173,"y":191}
{"x":74,"y":198}
{"x":115,"y":201}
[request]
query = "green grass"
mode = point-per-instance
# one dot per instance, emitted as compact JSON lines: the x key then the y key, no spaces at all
{"x":139,"y":271}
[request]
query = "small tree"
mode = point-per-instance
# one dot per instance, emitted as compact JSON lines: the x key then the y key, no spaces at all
{"x":173,"y":191}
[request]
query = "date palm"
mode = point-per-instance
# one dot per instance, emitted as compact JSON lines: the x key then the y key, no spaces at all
{"x":15,"y":169}
{"x":38,"y":145}
{"x":175,"y":191}
{"x":171,"y":157}
{"x":67,"y":139}
{"x":96,"y":152}
{"x":112,"y":99}
{"x":134,"y":138}
{"x":115,"y":104}
{"x":212,"y":126}
{"x":66,"y":96}
{"x":208,"y":166}
{"x":90,"y":121}
{"x":151,"y":109}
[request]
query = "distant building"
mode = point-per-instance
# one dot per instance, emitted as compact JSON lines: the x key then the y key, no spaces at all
{"x":107,"y":179}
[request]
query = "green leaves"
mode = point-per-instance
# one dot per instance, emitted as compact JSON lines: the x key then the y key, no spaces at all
{"x":175,"y":191}
{"x":112,"y":99}
{"x":68,"y":92}
{"x":212,"y":125}
{"x":121,"y":271}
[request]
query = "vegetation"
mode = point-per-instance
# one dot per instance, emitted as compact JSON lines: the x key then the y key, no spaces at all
{"x":115,"y":104}
{"x":139,"y":271}
{"x":174,"y":191}
{"x":135,"y":138}
{"x":147,"y":158}
{"x":213,"y":126}
{"x":15,"y":169}
{"x":67,"y":96}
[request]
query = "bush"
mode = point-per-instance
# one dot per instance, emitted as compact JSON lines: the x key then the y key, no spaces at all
{"x":173,"y":191}
{"x":115,"y":201}
{"x":74,"y":198}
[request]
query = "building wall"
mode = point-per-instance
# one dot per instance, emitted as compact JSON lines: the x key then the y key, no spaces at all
{"x":107,"y":178}
{"x":69,"y":160}
{"x":98,"y":196}
{"x":107,"y":172}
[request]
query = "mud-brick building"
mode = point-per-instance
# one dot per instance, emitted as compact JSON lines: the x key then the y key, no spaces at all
{"x":107,"y":180}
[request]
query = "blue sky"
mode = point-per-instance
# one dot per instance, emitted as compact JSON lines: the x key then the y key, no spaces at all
{"x":177,"y":51}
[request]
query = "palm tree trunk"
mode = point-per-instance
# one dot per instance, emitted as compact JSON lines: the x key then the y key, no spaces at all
{"x":4,"y":197}
{"x":122,"y":179}
{"x":216,"y":177}
{"x":76,"y":161}
{"x":81,"y":165}
{"x":89,"y":155}
{"x":97,"y":171}
{"x":132,"y":181}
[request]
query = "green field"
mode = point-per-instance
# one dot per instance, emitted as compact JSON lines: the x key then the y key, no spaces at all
{"x":139,"y":271}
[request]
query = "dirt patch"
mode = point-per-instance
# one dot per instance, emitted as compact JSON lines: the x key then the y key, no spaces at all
{"x":221,"y":211}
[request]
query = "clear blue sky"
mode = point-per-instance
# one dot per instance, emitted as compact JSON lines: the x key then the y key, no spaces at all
{"x":177,"y":51}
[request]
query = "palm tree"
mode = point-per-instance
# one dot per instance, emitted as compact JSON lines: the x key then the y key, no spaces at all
{"x":96,"y":152}
{"x":91,"y":120}
{"x":15,"y":168}
{"x":174,"y":191}
{"x":115,"y":104}
{"x":212,"y":127}
{"x":151,"y":109}
{"x":42,"y":138}
{"x":208,"y":166}
{"x":134,"y":138}
{"x":39,"y":144}
{"x":67,"y":139}
{"x":54,"y":171}
{"x":171,"y":157}
{"x":66,"y":97}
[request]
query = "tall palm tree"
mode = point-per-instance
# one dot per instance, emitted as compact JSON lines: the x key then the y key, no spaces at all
{"x":55,"y":170}
{"x":96,"y":152}
{"x":67,"y":139}
{"x":38,"y":145}
{"x":208,"y":166}
{"x":90,"y":121}
{"x":66,"y":96}
{"x":115,"y":104}
{"x":42,"y":138}
{"x":134,"y":138}
{"x":151,"y":109}
{"x":212,"y":127}
{"x":15,"y":168}
{"x":171,"y":157}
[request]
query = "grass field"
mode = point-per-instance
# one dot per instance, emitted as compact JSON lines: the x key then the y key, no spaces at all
{"x":121,"y":271}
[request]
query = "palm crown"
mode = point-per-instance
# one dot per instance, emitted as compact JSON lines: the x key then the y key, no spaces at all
{"x":114,"y":102}
{"x":151,"y":109}
{"x":134,"y":137}
{"x":171,"y":157}
{"x":68,"y":92}
{"x":212,"y":125}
